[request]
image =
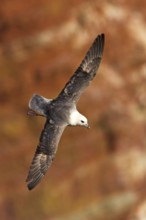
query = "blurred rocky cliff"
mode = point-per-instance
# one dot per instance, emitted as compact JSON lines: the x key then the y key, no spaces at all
{"x":98,"y":173}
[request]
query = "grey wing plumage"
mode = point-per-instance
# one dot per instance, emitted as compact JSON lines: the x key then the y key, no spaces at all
{"x":85,"y":73}
{"x":44,"y":154}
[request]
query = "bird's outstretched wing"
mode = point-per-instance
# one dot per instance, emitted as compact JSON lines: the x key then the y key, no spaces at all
{"x":45,"y":152}
{"x":85,"y":72}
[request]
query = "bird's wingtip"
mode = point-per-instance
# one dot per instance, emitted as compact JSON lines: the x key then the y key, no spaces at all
{"x":33,"y":182}
{"x":30,"y":186}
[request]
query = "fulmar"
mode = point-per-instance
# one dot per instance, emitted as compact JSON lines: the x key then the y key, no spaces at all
{"x":61,"y":112}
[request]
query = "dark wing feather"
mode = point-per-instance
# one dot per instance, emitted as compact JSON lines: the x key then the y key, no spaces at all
{"x":44,"y":154}
{"x":85,"y":73}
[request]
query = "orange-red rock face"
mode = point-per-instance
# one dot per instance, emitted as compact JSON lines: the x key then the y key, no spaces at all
{"x":97,"y":173}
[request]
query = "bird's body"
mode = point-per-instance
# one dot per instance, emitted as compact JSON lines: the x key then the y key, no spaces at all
{"x":61,"y":112}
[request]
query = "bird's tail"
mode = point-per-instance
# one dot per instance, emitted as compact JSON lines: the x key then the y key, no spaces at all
{"x":38,"y":105}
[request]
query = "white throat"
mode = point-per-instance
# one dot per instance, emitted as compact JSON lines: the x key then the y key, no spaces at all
{"x":73,"y":119}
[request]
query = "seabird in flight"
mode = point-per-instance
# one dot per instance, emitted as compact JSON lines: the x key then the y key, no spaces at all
{"x":61,"y":112}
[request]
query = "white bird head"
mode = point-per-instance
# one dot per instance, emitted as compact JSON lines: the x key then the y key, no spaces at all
{"x":78,"y":119}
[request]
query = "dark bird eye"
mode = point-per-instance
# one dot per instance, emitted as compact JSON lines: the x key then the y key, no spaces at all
{"x":82,"y":121}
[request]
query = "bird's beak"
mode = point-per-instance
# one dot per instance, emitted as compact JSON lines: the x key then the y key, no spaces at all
{"x":87,"y":126}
